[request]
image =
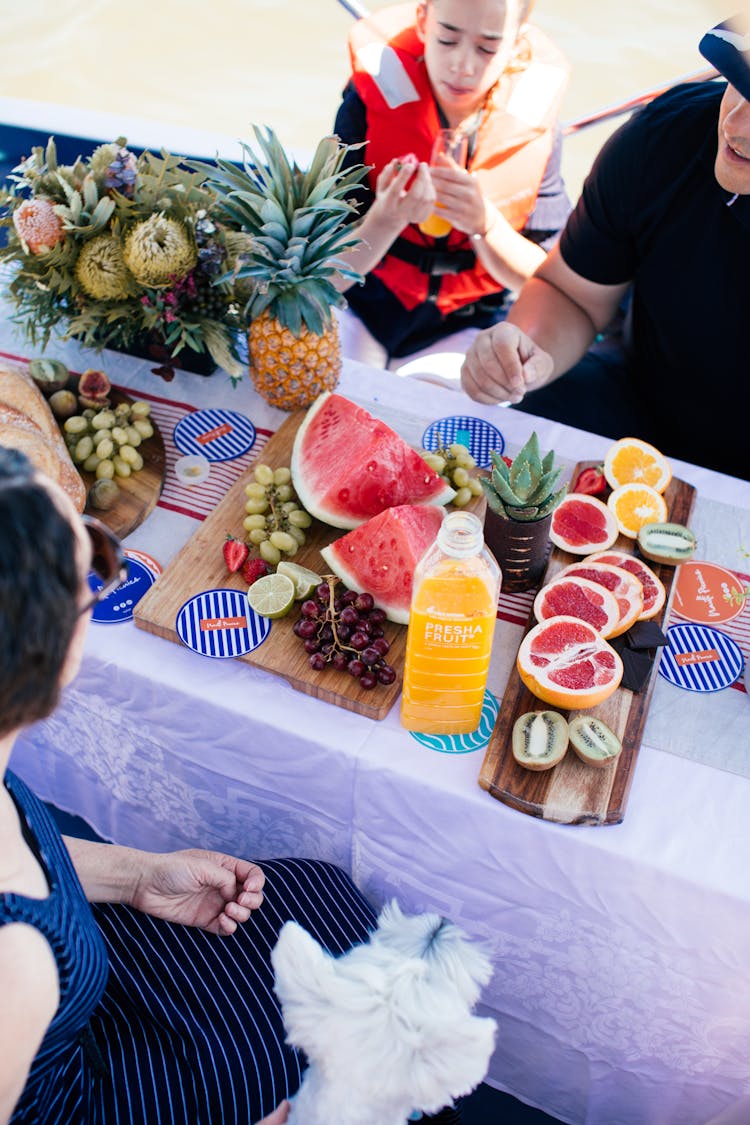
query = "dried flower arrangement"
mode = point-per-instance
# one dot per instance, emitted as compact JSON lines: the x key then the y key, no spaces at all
{"x":116,"y":249}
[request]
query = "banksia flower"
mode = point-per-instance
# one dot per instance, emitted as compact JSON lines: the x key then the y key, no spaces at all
{"x":158,"y":250}
{"x":38,"y":225}
{"x":101,"y":269}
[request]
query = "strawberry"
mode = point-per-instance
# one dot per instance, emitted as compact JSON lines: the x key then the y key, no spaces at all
{"x":591,"y":481}
{"x":508,"y":460}
{"x":235,"y":553}
{"x":253,"y":569}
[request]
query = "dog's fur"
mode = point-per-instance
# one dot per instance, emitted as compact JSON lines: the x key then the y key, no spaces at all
{"x":388,"y":1027}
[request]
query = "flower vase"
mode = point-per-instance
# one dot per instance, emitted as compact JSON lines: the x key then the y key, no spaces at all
{"x":520,"y":549}
{"x":152,"y":347}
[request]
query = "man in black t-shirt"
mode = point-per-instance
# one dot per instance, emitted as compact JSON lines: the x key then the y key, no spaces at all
{"x":662,"y":227}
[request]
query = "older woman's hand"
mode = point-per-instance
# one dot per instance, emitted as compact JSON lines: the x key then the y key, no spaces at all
{"x":210,"y":890}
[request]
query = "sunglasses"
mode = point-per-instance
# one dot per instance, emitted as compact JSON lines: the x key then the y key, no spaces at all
{"x":108,"y":560}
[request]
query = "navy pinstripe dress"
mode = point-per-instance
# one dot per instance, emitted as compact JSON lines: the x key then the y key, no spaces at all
{"x":161,"y":1024}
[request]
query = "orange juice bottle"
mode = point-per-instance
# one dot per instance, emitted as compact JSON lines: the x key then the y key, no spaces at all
{"x":451,"y":623}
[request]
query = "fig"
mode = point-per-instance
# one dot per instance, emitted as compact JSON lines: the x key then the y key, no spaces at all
{"x":93,"y":388}
{"x":103,"y":494}
{"x":63,"y":404}
{"x":539,"y":739}
{"x":593,"y":741}
{"x":50,"y":375}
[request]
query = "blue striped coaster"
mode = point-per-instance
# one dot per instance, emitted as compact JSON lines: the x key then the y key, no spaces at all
{"x":220,"y":624}
{"x":478,"y":436}
{"x":219,"y":435}
{"x":699,"y":658}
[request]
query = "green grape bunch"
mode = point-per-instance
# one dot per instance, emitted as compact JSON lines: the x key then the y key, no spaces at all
{"x":105,"y":442}
{"x":275,"y":521}
{"x":454,"y":463}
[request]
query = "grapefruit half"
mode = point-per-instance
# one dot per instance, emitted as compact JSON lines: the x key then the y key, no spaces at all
{"x":654,"y":594}
{"x":626,"y":588}
{"x":571,"y":596}
{"x":582,"y":524}
{"x":566,"y":663}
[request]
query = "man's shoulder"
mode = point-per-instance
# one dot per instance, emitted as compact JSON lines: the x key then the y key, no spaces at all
{"x":689,"y":108}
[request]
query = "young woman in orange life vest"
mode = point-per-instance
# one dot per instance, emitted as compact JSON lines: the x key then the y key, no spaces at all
{"x":477,"y":65}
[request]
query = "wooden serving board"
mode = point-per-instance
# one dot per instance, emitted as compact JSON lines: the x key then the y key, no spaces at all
{"x":573,"y":792}
{"x":200,"y":566}
{"x":140,"y":491}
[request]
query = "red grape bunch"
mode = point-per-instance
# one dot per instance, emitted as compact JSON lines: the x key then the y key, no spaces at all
{"x":344,"y":629}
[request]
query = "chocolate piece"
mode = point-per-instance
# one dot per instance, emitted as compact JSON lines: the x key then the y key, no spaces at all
{"x":645,"y":634}
{"x":637,"y":667}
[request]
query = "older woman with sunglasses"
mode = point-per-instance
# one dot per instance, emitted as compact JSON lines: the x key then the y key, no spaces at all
{"x":136,"y":988}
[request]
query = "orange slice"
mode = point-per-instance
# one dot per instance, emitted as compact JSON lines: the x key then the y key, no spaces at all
{"x":566,"y":663}
{"x":634,"y":505}
{"x":632,"y":461}
{"x":625,"y":588}
{"x":571,"y":596}
{"x":654,"y":594}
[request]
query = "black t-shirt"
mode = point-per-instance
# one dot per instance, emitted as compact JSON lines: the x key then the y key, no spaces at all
{"x":652,"y":212}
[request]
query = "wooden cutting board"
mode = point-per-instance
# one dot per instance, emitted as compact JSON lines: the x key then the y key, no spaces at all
{"x":140,"y":491}
{"x":572,"y":792}
{"x":200,"y":566}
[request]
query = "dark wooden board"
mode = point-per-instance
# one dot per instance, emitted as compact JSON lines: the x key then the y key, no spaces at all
{"x":572,"y":792}
{"x":140,"y":491}
{"x":200,"y":566}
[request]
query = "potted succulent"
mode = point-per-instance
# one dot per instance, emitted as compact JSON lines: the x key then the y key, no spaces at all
{"x":120,"y":251}
{"x":296,"y":224}
{"x":521,"y":498}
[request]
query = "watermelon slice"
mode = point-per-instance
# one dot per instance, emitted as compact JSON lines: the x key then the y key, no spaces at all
{"x":348,"y":466}
{"x":380,"y":555}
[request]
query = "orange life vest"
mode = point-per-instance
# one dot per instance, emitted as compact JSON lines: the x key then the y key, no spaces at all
{"x":511,"y":150}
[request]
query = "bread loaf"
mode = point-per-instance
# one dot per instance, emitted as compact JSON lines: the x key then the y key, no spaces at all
{"x":27,"y":424}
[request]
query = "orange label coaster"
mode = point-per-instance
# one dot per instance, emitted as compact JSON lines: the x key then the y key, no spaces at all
{"x":707,"y":594}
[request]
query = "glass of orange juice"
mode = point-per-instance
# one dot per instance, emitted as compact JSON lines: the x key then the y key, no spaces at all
{"x":453,"y":143}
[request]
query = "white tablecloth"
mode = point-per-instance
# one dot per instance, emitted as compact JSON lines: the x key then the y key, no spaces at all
{"x":621,"y":984}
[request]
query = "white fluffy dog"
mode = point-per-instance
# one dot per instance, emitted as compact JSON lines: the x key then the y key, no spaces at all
{"x":388,"y":1027}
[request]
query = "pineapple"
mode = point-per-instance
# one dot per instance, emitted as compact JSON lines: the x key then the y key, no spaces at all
{"x":298,"y":223}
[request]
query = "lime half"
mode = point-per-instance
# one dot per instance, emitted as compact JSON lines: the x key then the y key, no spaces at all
{"x":304,"y":580}
{"x":271,"y":596}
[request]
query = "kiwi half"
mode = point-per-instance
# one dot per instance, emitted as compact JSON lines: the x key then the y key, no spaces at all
{"x":540,"y":739}
{"x":593,"y":741}
{"x":669,"y":543}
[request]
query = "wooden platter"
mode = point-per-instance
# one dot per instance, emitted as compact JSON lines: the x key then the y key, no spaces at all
{"x":199,"y":566}
{"x":139,"y":492}
{"x":572,"y":792}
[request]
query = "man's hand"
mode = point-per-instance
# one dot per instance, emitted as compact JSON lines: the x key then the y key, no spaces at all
{"x":503,"y":364}
{"x":278,"y":1117}
{"x":210,"y":890}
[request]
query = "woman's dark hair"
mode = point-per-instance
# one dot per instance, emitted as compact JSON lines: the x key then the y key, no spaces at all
{"x":39,"y":586}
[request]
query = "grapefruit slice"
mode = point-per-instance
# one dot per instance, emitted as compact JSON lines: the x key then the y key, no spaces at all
{"x":631,"y":460}
{"x":348,"y":466}
{"x":654,"y":594}
{"x":379,"y":556}
{"x":566,"y":663}
{"x":578,"y":597}
{"x":582,"y":524}
{"x":625,"y":587}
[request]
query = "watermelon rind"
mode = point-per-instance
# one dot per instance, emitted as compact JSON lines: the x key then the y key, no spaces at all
{"x":380,"y":555}
{"x":348,"y":466}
